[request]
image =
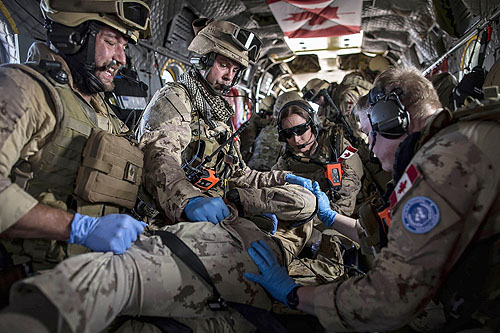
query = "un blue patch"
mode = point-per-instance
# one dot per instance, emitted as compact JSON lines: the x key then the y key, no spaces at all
{"x":420,"y":215}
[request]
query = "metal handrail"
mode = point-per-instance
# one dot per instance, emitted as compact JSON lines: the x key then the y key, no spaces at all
{"x":463,"y":40}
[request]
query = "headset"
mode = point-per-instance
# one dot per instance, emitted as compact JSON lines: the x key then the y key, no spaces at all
{"x":69,"y":42}
{"x":388,"y":116}
{"x":205,"y":62}
{"x":305,"y":106}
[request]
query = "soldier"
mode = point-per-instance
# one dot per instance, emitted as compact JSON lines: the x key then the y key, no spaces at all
{"x":51,"y":105}
{"x":444,"y":236}
{"x":191,"y":160}
{"x":267,"y":146}
{"x":337,"y":101}
{"x":257,"y":122}
{"x":310,"y":150}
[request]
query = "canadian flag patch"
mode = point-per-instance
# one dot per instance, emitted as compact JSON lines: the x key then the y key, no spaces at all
{"x":347,"y":153}
{"x":404,"y":184}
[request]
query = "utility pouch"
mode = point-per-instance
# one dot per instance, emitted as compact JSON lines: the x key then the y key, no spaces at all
{"x":111,"y":170}
{"x":334,"y":173}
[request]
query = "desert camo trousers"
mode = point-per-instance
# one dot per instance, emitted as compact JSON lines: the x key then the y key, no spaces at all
{"x":89,"y":291}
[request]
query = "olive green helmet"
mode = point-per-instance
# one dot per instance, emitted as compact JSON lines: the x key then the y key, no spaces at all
{"x":227,"y":39}
{"x":130,"y":17}
{"x":313,"y":87}
{"x":266,"y":104}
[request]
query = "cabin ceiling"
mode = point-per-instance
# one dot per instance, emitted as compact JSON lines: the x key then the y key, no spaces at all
{"x":404,"y":31}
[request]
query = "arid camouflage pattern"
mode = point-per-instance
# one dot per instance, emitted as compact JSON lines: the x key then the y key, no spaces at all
{"x":267,"y":148}
{"x":90,"y":290}
{"x":460,"y":173}
{"x":346,"y":95}
{"x":169,"y":125}
{"x":29,"y":121}
{"x":247,"y":137}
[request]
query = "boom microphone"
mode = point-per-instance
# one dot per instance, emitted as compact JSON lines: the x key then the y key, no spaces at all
{"x":311,"y":140}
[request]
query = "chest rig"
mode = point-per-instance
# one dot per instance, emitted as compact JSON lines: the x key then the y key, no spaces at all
{"x":213,"y":153}
{"x":55,"y":166}
{"x":322,"y":166}
{"x":50,"y":174}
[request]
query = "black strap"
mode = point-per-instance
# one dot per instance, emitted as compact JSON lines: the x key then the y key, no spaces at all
{"x":183,"y":252}
{"x":260,"y":318}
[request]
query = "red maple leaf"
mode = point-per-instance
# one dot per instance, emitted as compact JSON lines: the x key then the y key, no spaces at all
{"x":402,"y":186}
{"x":316,"y":16}
{"x":347,"y":154}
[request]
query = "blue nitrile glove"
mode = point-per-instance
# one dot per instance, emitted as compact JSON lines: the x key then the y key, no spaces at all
{"x":206,"y":209}
{"x":297,"y":180}
{"x":113,"y":232}
{"x":274,"y":219}
{"x":325,"y":213}
{"x":274,"y":278}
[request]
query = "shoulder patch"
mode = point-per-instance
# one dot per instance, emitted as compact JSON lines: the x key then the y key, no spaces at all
{"x":420,"y":215}
{"x":347,"y":153}
{"x":404,"y":184}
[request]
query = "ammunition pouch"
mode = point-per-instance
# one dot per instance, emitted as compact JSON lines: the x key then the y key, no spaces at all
{"x":111,"y":170}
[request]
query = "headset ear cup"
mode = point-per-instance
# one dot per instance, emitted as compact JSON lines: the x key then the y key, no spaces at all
{"x":389,"y":117}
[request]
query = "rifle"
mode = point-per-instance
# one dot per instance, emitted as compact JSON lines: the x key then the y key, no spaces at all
{"x":206,"y":178}
{"x":338,"y":118}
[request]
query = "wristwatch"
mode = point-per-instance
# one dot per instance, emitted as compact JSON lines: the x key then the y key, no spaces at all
{"x":292,"y":299}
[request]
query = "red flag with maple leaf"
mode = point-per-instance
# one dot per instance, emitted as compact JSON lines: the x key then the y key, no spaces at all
{"x":317,"y":18}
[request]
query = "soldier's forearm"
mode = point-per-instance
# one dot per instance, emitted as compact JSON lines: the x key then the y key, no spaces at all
{"x":306,"y":299}
{"x":346,"y":226}
{"x":42,"y":222}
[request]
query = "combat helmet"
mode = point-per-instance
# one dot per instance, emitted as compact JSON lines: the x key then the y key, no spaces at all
{"x":313,"y":88}
{"x":266,"y":104}
{"x":225,"y":38}
{"x":72,"y":27}
{"x":130,"y":17}
{"x":288,"y":99}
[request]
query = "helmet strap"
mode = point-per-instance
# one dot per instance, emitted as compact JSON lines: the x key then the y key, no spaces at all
{"x":206,"y":64}
{"x":93,"y":84}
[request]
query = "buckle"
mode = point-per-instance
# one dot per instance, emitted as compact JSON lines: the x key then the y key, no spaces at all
{"x":143,"y":209}
{"x":217,"y":304}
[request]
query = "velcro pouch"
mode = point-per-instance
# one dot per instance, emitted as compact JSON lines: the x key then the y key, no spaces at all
{"x":111,"y":170}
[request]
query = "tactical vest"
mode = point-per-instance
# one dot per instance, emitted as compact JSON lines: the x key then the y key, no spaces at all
{"x":54,"y":168}
{"x":330,"y":146}
{"x":205,"y":140}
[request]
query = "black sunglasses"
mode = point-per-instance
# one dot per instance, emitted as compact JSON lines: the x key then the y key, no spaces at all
{"x":295,"y":130}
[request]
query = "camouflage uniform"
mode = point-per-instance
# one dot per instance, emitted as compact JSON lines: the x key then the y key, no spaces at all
{"x":28,"y":134}
{"x":455,"y":179}
{"x":90,"y":290}
{"x":346,"y":95}
{"x":247,"y":137}
{"x":169,"y":134}
{"x":267,"y":149}
{"x":327,"y":151}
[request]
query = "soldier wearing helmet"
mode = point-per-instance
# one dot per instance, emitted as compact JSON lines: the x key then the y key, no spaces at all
{"x":257,"y":123}
{"x":191,"y":165}
{"x":337,"y":103}
{"x":51,"y":105}
{"x":184,"y":124}
{"x":266,"y":147}
{"x":310,"y":149}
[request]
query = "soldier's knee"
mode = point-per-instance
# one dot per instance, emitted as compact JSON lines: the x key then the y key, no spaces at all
{"x":303,"y":197}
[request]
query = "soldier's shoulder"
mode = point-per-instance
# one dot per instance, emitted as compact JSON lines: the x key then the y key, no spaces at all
{"x":14,"y":77}
{"x":171,"y":101}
